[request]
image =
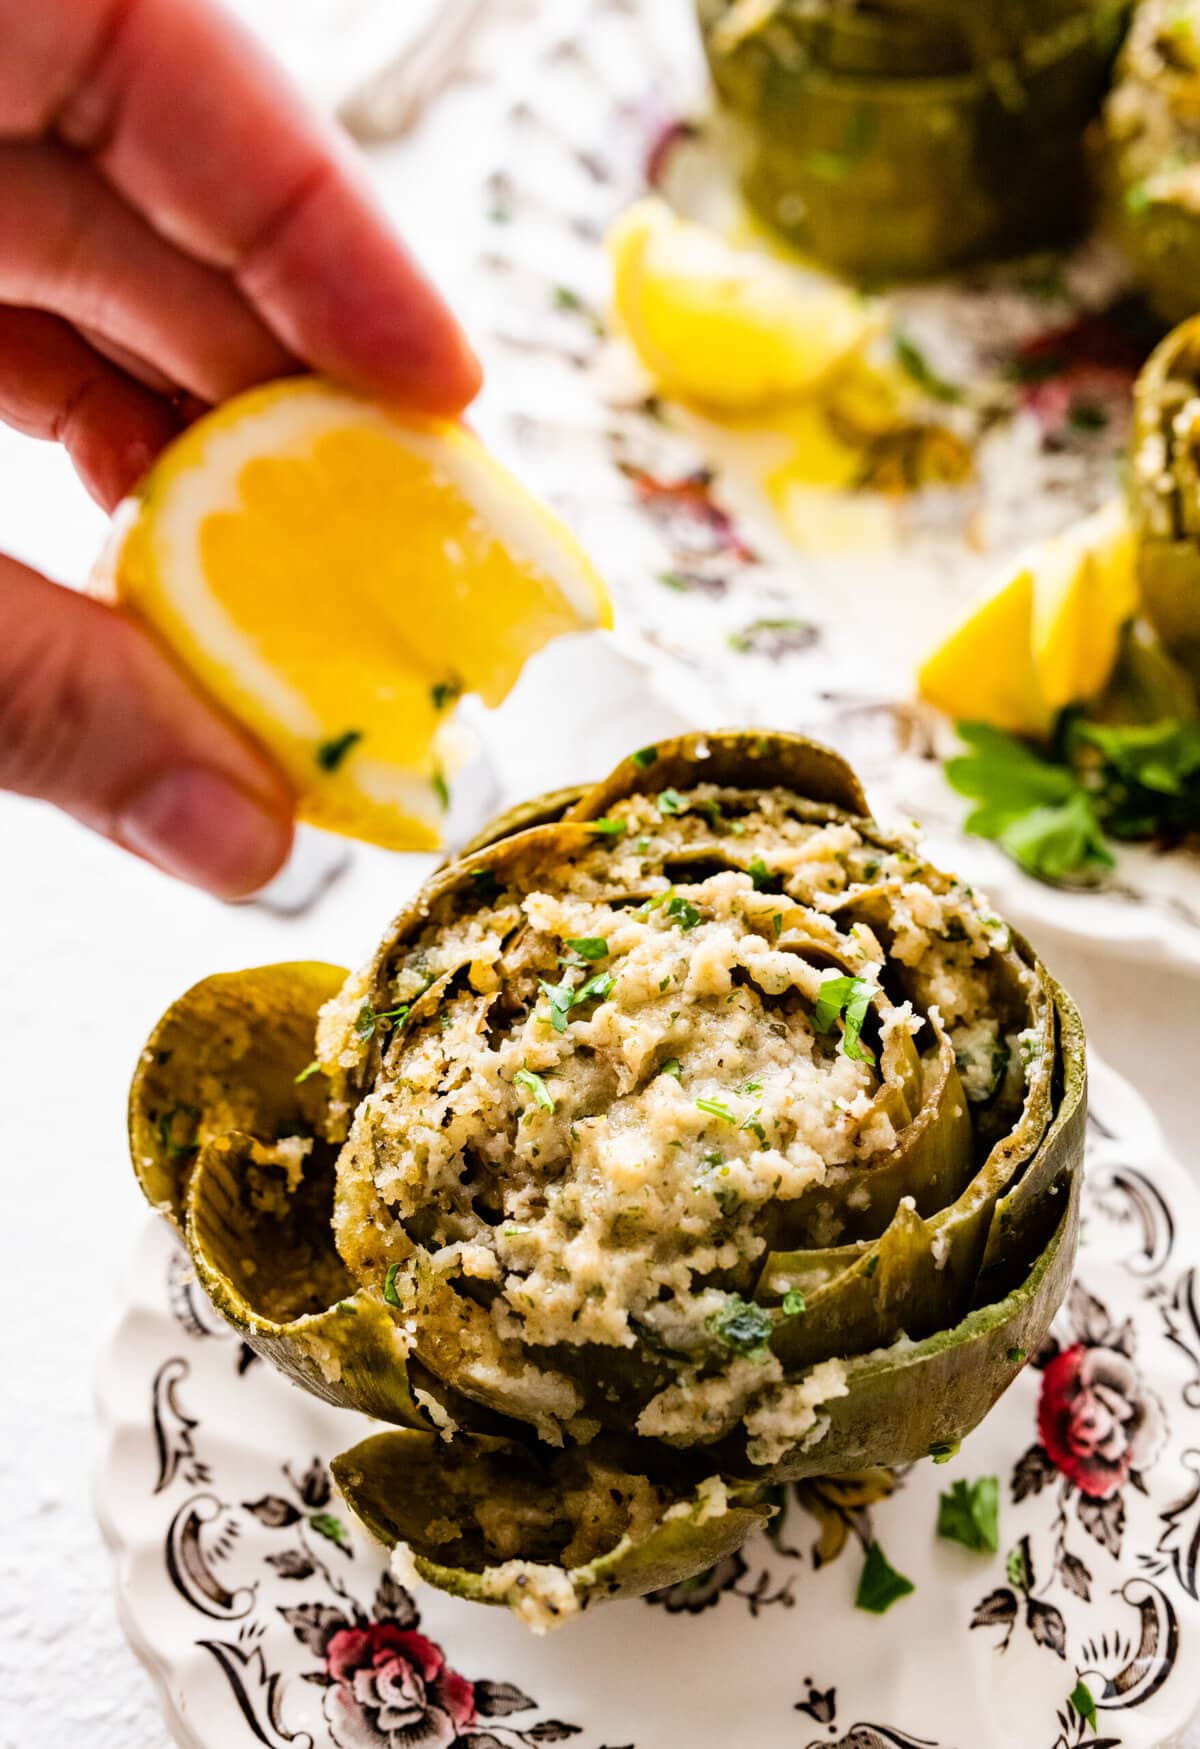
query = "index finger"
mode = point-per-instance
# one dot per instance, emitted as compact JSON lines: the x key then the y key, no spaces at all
{"x":199,"y":130}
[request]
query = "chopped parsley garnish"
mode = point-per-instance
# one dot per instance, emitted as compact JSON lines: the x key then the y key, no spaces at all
{"x":588,"y":947}
{"x":485,"y":884}
{"x":644,"y":757}
{"x":760,"y":874}
{"x":534,"y":1083}
{"x":347,"y":1309}
{"x":794,"y":1303}
{"x":607,"y":827}
{"x":166,"y":1130}
{"x":563,"y":997}
{"x":880,"y":1585}
{"x":597,"y":987}
{"x":1082,"y":1699}
{"x":672,"y":1067}
{"x":367,"y":1020}
{"x":743,"y":1326}
{"x":914,"y":364}
{"x":1017,"y":1357}
{"x":330,"y":754}
{"x":684,"y":912}
{"x":847,"y":999}
{"x":652,"y":903}
{"x":970,"y":1514}
{"x":872,"y":1266}
{"x":311,"y":1070}
{"x":754,"y":1125}
{"x":441,"y":789}
{"x":671,"y":802}
{"x":389,"y":1286}
{"x":445,"y":693}
{"x":941,"y":1454}
{"x":751,"y":1087}
{"x":714,"y":1108}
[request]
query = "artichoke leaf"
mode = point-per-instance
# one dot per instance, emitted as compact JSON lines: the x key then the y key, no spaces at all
{"x":491,"y":1521}
{"x":740,"y":760}
{"x":226,"y":1056}
{"x":261,"y":1241}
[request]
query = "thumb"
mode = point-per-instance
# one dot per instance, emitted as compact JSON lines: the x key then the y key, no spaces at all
{"x":95,"y":718}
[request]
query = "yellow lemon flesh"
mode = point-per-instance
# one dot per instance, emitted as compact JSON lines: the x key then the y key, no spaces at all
{"x":1046,"y":637}
{"x":729,"y":329}
{"x":337,"y":575}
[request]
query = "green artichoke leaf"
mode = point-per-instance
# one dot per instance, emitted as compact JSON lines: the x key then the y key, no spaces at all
{"x":749,"y":759}
{"x":906,"y":1401}
{"x":897,"y":147}
{"x":1166,"y":490}
{"x":231,"y":1053}
{"x":495,"y":1522}
{"x":260,"y":1234}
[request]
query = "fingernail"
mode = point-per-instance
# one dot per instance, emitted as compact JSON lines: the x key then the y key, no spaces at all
{"x":200,"y":827}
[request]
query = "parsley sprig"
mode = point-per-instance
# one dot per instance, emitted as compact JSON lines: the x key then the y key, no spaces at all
{"x":970,"y":1514}
{"x":564,"y":997}
{"x":744,"y":1327}
{"x":848,"y":1000}
{"x":880,"y":1585}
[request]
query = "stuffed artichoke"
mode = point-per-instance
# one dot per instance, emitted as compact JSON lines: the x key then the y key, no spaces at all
{"x":1150,"y":154}
{"x":902,"y":137}
{"x":1165,"y":482}
{"x":688,"y":1135}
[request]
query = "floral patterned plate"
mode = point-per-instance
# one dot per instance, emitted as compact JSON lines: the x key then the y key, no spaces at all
{"x":810,"y":610}
{"x":266,"y":1616}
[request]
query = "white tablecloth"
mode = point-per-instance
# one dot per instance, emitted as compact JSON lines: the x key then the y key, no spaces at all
{"x":93,"y":947}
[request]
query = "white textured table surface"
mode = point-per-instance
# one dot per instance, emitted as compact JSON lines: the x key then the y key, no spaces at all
{"x":92,"y":946}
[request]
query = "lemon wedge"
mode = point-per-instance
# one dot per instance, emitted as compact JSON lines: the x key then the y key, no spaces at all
{"x":730,"y":329}
{"x":1085,"y":588}
{"x":984,"y":671}
{"x":337,"y":576}
{"x":1046,"y":636}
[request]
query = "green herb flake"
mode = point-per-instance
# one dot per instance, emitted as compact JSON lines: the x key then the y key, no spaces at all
{"x":880,"y":1585}
{"x":306,"y":1074}
{"x":759,"y":873}
{"x":607,"y":828}
{"x":331,"y":1528}
{"x":943,"y":1452}
{"x":331,"y":754}
{"x":644,"y":757}
{"x":390,"y":1293}
{"x":597,"y":988}
{"x":560,"y":997}
{"x":367,"y":1021}
{"x":1018,"y":1567}
{"x":684,"y":912}
{"x":444,"y":693}
{"x":1083,"y":1701}
{"x":794,"y":1303}
{"x":346,"y":1309}
{"x":1017,"y":1357}
{"x":970,"y":1514}
{"x":872,"y":1266}
{"x":672,"y":1067}
{"x":588,"y":947}
{"x":744,"y":1327}
{"x":535,"y":1085}
{"x":847,"y":999}
{"x":671,"y":802}
{"x":714,"y":1108}
{"x":914,"y":364}
{"x":166,"y":1131}
{"x":754,"y":1126}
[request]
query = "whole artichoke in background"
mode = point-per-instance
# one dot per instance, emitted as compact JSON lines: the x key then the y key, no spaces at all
{"x":903,"y":137}
{"x":1150,"y":154}
{"x":1165,"y":487}
{"x":688,"y":1135}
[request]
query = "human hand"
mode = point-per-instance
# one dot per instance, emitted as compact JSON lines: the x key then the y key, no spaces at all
{"x":174,"y":226}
